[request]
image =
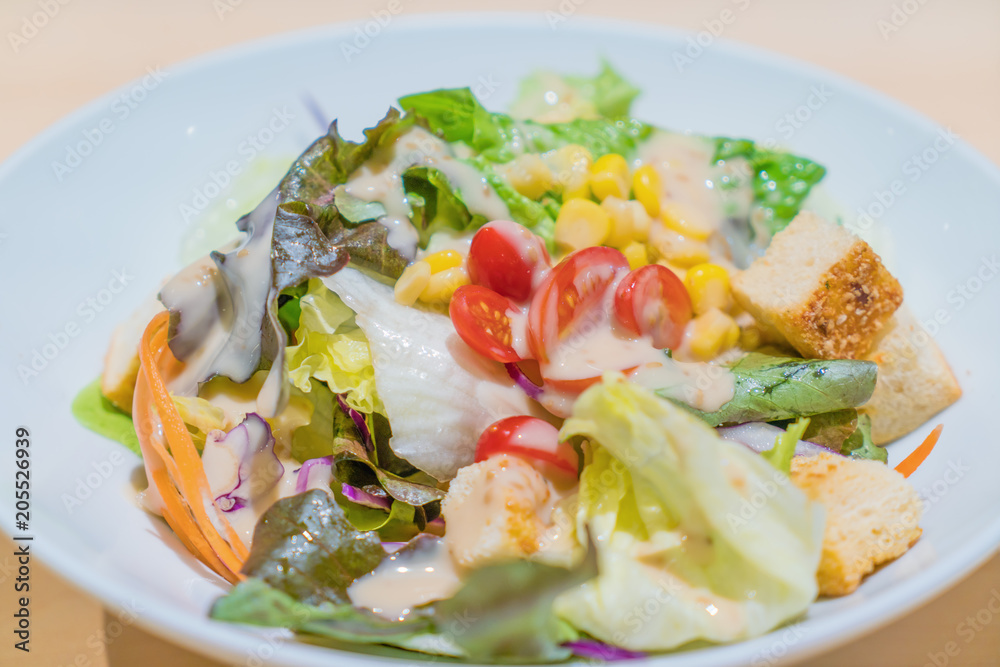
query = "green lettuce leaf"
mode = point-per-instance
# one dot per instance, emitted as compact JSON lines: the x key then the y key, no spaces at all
{"x":781,"y":181}
{"x":697,"y":538}
{"x":860,"y":446}
{"x":355,"y":467}
{"x":503,"y":612}
{"x":772,"y":388}
{"x":456,"y":115}
{"x":435,"y":204}
{"x":331,"y":348}
{"x":608,"y":94}
{"x":780,"y":456}
{"x":316,"y":569}
{"x":254,"y":602}
{"x":98,"y":414}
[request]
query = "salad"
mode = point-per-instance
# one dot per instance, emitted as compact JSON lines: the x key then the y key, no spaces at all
{"x":519,"y":387}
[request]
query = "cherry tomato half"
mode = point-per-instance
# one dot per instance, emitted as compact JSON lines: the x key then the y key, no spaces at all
{"x":528,"y":437}
{"x":572,"y":289}
{"x":505,"y":256}
{"x":481,"y":319}
{"x":652,"y":301}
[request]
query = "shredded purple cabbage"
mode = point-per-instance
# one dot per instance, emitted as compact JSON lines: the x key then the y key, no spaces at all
{"x":362,"y":497}
{"x":251,"y":445}
{"x":597,"y":650}
{"x":522,"y":381}
{"x":359,"y":421}
{"x":302,"y":481}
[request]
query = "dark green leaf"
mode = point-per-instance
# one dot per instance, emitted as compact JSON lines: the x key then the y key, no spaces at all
{"x":831,"y":429}
{"x":503,"y":612}
{"x":436,"y":206}
{"x":860,"y":445}
{"x":354,"y":467}
{"x":772,"y":388}
{"x":289,"y":310}
{"x":306,"y":547}
{"x":355,"y":210}
{"x":97,"y":413}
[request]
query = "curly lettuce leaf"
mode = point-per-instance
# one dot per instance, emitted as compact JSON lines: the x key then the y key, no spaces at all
{"x":435,"y":204}
{"x":333,"y":349}
{"x":457,"y":116}
{"x":860,"y":446}
{"x":780,"y":181}
{"x":667,"y":503}
{"x":772,"y":388}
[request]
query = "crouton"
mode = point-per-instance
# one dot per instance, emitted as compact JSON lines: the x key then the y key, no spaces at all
{"x":121,"y":362}
{"x":914,"y":380}
{"x":872,"y":514}
{"x":821,"y":287}
{"x":504,"y":509}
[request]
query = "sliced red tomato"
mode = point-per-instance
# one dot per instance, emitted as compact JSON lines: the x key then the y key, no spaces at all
{"x":505,"y":256}
{"x":481,"y":319}
{"x":530,"y":438}
{"x":652,"y":301}
{"x":574,"y":288}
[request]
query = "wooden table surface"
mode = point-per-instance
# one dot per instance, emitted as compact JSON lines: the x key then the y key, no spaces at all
{"x":941,"y":58}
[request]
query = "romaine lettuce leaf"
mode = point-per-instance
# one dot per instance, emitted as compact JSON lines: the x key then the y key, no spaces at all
{"x":772,"y":388}
{"x":701,"y":536}
{"x":608,"y":94}
{"x":860,"y":446}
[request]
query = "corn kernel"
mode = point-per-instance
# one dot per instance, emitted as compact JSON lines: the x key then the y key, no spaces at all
{"x":637,"y":254}
{"x":571,"y":165}
{"x":530,"y":176}
{"x":708,"y":287}
{"x":681,"y":220}
{"x":442,"y":286}
{"x":629,"y":221}
{"x":581,"y":223}
{"x":647,"y":188}
{"x":412,"y":283}
{"x":444,"y":260}
{"x":712,"y":333}
{"x":609,"y":177}
{"x":677,"y":249}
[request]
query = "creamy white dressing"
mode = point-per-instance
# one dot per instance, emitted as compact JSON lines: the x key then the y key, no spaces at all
{"x":691,"y":180}
{"x":380,"y":179}
{"x":406,"y":580}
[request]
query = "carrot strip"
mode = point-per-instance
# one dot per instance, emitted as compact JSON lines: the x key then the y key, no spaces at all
{"x":193,"y":482}
{"x":910,"y":464}
{"x":188,"y":502}
{"x":158,"y":464}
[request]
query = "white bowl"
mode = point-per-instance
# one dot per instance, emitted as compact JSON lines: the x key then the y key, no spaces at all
{"x":73,"y":223}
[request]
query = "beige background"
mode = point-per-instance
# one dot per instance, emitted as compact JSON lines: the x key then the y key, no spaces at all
{"x":944,"y":60}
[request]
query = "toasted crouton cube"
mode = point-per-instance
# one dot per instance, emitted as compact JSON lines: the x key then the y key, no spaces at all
{"x":504,"y":509}
{"x":914,"y":380}
{"x":824,"y":289}
{"x":121,"y":362}
{"x":872,"y":514}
